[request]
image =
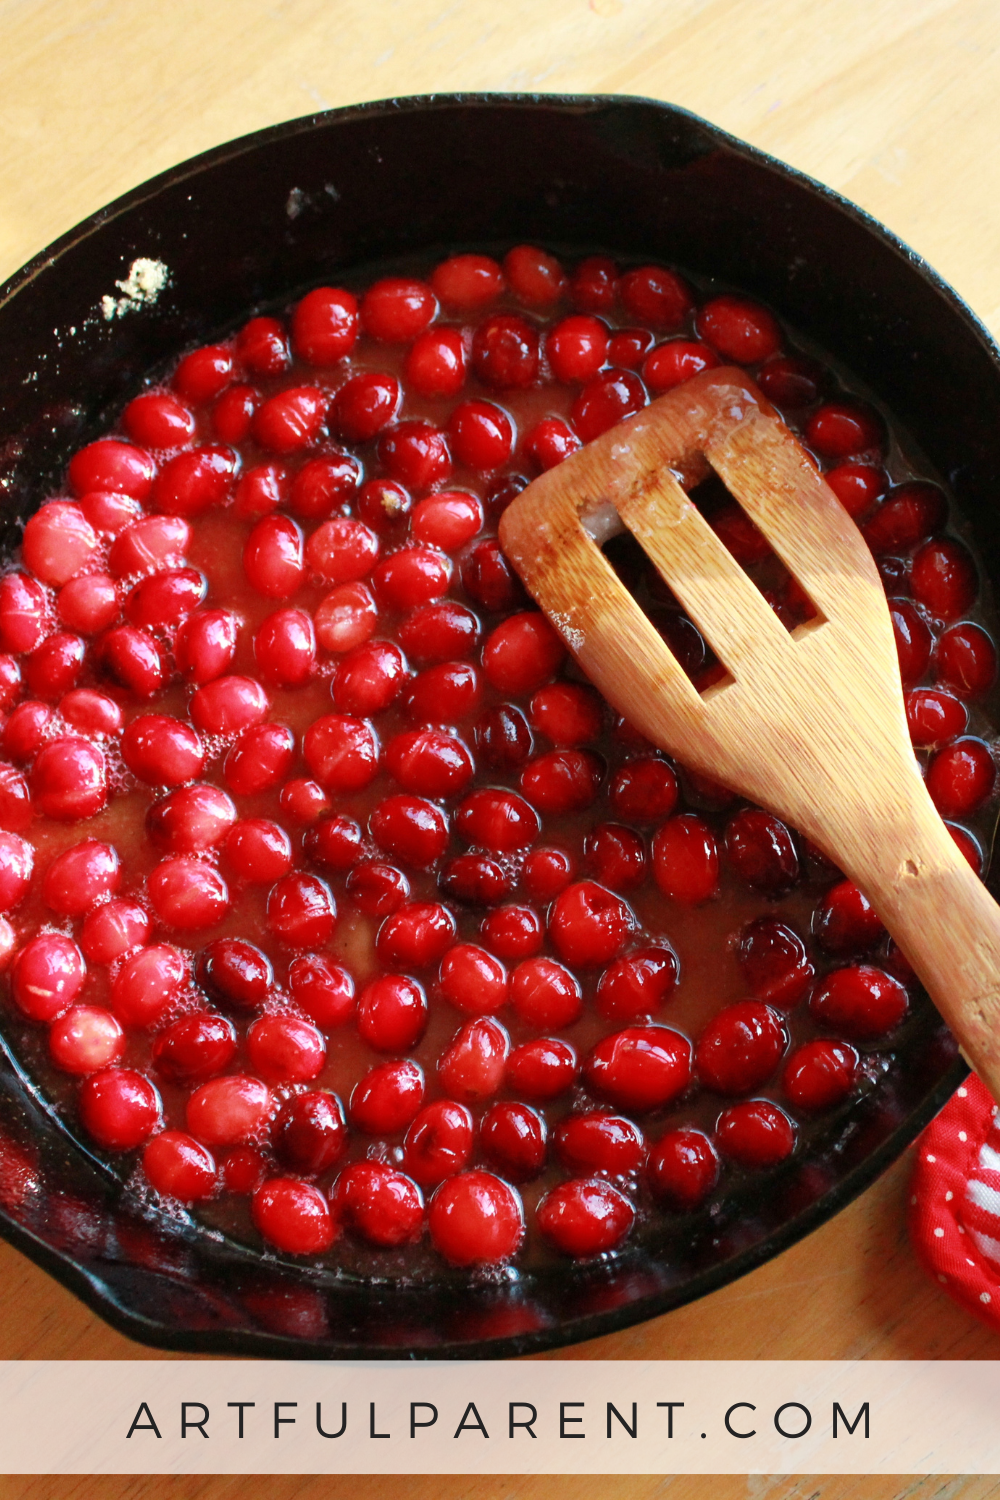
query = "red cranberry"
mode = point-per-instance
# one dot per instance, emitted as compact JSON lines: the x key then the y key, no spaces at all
{"x":410,"y":829}
{"x":841,"y":429}
{"x":259,"y":851}
{"x":235,"y":972}
{"x":262,"y":347}
{"x":467,"y":282}
{"x":502,"y":737}
{"x":383,"y":505}
{"x":416,"y":936}
{"x":228,"y":1111}
{"x":475,"y":879}
{"x":933,"y":716}
{"x":473,"y":981}
{"x":655,"y":296}
{"x":846,"y":921}
{"x":489,"y":579}
{"x":79,"y":877}
{"x":436,"y":632}
{"x":476,"y":1219}
{"x":342,"y":550}
{"x":481,"y":435}
{"x":397,"y":309}
{"x":522,"y":653}
{"x":546,"y":873}
{"x":513,"y":932}
{"x":387,"y":1098}
{"x":550,"y":441}
{"x":91,"y":712}
{"x":608,"y":399}
{"x":541,"y":1069}
{"x":323,"y":989}
{"x":446,"y":693}
{"x":346,"y":617}
{"x":416,"y":575}
{"x":244,"y":1170}
{"x":472,"y":1066}
{"x":741,"y":1047}
{"x":438,"y":1143}
{"x":588,"y":925}
{"x":161,"y":750}
{"x":563,"y":781}
{"x":205,"y":645}
{"x":369,"y":678}
{"x":683,"y":1168}
{"x":773,"y":960}
{"x":178,"y":1166}
{"x":186,"y":893}
{"x":820,"y":1074}
{"x":568,"y":714}
{"x":260,"y":759}
{"x":498,"y":820}
{"x":364,"y":405}
{"x":629,"y":346}
{"x":16,"y":862}
{"x":576,"y":348}
{"x":132,"y":658}
{"x":119,"y":1108}
{"x":637,"y":985}
{"x":640,"y":1068}
{"x":600,"y":1142}
{"x":545,"y":996}
{"x":435,"y":363}
{"x":112,"y":930}
{"x":88,"y":604}
{"x":290,"y":420}
{"x":152,"y":543}
{"x":69,"y":780}
{"x":966,"y":660}
{"x":303,"y":801}
{"x":285,"y":1049}
{"x":857,"y":487}
{"x":341,"y":752}
{"x":110,"y":512}
{"x":743,"y":331}
{"x":301,"y":911}
{"x":194,"y":1048}
{"x":272,"y":557}
{"x":16,"y":811}
{"x":47,"y":976}
{"x":671,"y":364}
{"x":416,"y":453}
{"x":513,"y":1139}
{"x":293,"y":1216}
{"x":325,"y":325}
{"x":615,"y":856}
{"x":534,"y":276}
{"x":111,"y":465}
{"x":22,"y":610}
{"x":148,"y":984}
{"x":204,"y":373}
{"x":261,"y":490}
{"x":324,"y":484}
{"x":58,"y":542}
{"x":686,"y":860}
{"x":761,"y":851}
{"x":27,"y":730}
{"x":791,"y":381}
{"x":285,"y":648}
{"x":381,"y":1205}
{"x":229,"y":705}
{"x":594,"y":284}
{"x":392,"y":1013}
{"x":644,"y":790}
{"x":85,"y":1039}
{"x":310,"y":1133}
{"x":334,"y":843}
{"x":196,"y":481}
{"x":961,"y":777}
{"x":755,"y":1133}
{"x":862,"y":1001}
{"x":910,"y":514}
{"x":913,"y":640}
{"x":583,"y":1218}
{"x":232,"y":415}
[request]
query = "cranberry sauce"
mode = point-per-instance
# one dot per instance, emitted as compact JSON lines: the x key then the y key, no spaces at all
{"x":339,"y":908}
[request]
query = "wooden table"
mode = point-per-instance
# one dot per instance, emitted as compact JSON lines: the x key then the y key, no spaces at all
{"x":894,"y":102}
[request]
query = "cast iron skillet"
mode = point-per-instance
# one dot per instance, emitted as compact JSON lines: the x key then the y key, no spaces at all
{"x":248,"y":225}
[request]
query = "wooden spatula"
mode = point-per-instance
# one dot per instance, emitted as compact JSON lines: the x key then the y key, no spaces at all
{"x":810,"y":723}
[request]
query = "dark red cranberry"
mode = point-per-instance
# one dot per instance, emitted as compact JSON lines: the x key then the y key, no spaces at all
{"x":961,"y":777}
{"x":644,"y":790}
{"x":583,"y":1218}
{"x":323,"y":485}
{"x":594,"y":284}
{"x":503,"y":739}
{"x":505,"y":351}
{"x":615,"y":856}
{"x":943,"y":578}
{"x":656,"y":297}
{"x":846,"y":922}
{"x":628,"y":347}
{"x":194,"y":1048}
{"x":364,"y":405}
{"x":761,"y":851}
{"x":966,"y":660}
{"x":489,"y":579}
{"x":773,"y":960}
{"x":416,"y":453}
{"x":913,"y":640}
{"x":323,"y":989}
{"x":741,"y":1047}
{"x":383,"y":505}
{"x":262,"y":347}
{"x":132,"y":659}
{"x":791,"y":381}
{"x":513,"y":1139}
{"x":909,"y":514}
{"x":377,"y":889}
{"x":755,"y":1133}
{"x":637,"y":985}
{"x":438,"y":1142}
{"x":410,"y":829}
{"x":820,"y":1074}
{"x":310,"y":1134}
{"x":563,"y":781}
{"x":600,"y":1142}
{"x":476,"y":879}
{"x":857,"y":487}
{"x":301,"y":911}
{"x":841,"y":429}
{"x":234,"y":972}
{"x":606,"y":400}
{"x":683,"y":1168}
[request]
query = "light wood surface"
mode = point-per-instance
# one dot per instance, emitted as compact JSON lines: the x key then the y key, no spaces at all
{"x":893,"y":102}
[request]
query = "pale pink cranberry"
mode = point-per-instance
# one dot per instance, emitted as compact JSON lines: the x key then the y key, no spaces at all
{"x":286,"y":1049}
{"x":301,"y":911}
{"x":261,"y":490}
{"x":637,"y":985}
{"x":472,"y":1066}
{"x":180,"y":1167}
{"x":513,"y":932}
{"x":683,"y":1168}
{"x":119,"y":1108}
{"x":16,"y":862}
{"x":91,"y":712}
{"x":153,"y":542}
{"x":435,"y":363}
{"x":186,"y":893}
{"x":468,"y":282}
{"x":346,"y":617}
{"x":16,"y":812}
{"x":369,"y":678}
{"x":22,"y":612}
{"x":190,"y":820}
{"x":80,"y":876}
{"x":741,"y":1047}
{"x":58,"y":542}
{"x":410,"y":829}
{"x":820,"y":1074}
{"x":54,"y":667}
{"x":755,"y":1133}
{"x":47,"y":975}
{"x":161,"y":750}
{"x":69,"y":780}
{"x":392,"y":1013}
{"x":364,"y":405}
{"x":29,"y":727}
{"x":323,"y":989}
{"x":112,"y":930}
{"x":325,"y":325}
{"x":498,"y":820}
{"x":194,"y":1048}
{"x":193,"y":482}
{"x":85,"y":1039}
{"x":291,"y":420}
{"x":229,"y":705}
{"x":260,"y":759}
{"x":112,"y":465}
{"x":545,"y":995}
{"x":259,"y":851}
{"x":416,"y":936}
{"x":272,"y":557}
{"x":686,"y":859}
{"x":293,"y":1216}
{"x":204,"y":373}
{"x":522,"y":653}
{"x":378,"y":1203}
{"x":473,"y":980}
{"x":235,"y":973}
{"x":342,"y":550}
{"x":481,"y":435}
{"x":387,"y":1098}
{"x":600,"y":1142}
{"x":133,"y":659}
{"x":228,"y":1111}
{"x":861,"y":1001}
{"x":589,"y":925}
{"x":110,"y":512}
{"x":640,"y":1068}
{"x":341,"y":752}
{"x":205,"y":644}
{"x":476,"y":1219}
{"x":148,"y":984}
{"x":438,"y":1143}
{"x":303,"y":801}
{"x":542,"y":1069}
{"x":583,"y":1218}
{"x":446,"y":693}
{"x":164,"y":600}
{"x":310,"y":1132}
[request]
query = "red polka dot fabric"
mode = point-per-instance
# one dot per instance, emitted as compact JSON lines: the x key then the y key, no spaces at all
{"x":954,"y":1212}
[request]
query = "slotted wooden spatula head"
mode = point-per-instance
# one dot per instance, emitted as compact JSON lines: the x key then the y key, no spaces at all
{"x":808,"y":723}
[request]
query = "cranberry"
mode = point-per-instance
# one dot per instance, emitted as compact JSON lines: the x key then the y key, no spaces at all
{"x":301,"y":911}
{"x":229,"y":705}
{"x":205,"y":645}
{"x":85,"y":1039}
{"x":190,"y":820}
{"x":383,"y":1206}
{"x":438,"y":1142}
{"x":741,"y":537}
{"x":323,"y":989}
{"x":913,"y":640}
{"x":600,"y":1142}
{"x":16,"y":863}
{"x":324,"y":484}
{"x":58,"y":542}
{"x":550,"y":441}
{"x":293,"y":1216}
{"x":966,"y":661}
{"x":110,"y":512}
{"x":820,"y":1074}
{"x":513,"y":1139}
{"x":435,"y":632}
{"x":79,"y":877}
{"x":576,"y":348}
{"x":303,"y":801}
{"x":475,"y":879}
{"x":186,"y":893}
{"x":637,"y":985}
{"x":542,"y":1069}
{"x":112,"y":930}
{"x":447,"y":520}
{"x":232,"y":415}
{"x":111,"y":465}
{"x":325,"y":325}
{"x":513,"y":932}
{"x":259,"y":851}
{"x":88,"y":604}
{"x":743,"y":331}
{"x":445,"y":693}
{"x":615,"y":856}
{"x":502,"y":737}
{"x":244,"y":1169}
{"x":310,"y":1133}
{"x":761,"y":851}
{"x":388,"y":1098}
{"x":563,"y":781}
{"x":522,"y":653}
{"x":392,"y":1013}
{"x":92,"y":713}
{"x":346,"y":617}
{"x":545,"y":995}
{"x":148,"y":984}
{"x":272,"y":557}
{"x":27,"y":730}
{"x":383,"y":505}
{"x":969,"y":848}
{"x":910,"y":514}
{"x":416,"y":453}
{"x":161,"y":750}
{"x":629,"y":346}
{"x":132,"y":658}
{"x":364,"y":405}
{"x":467,"y":282}
{"x":594,"y":284}
{"x":285,"y":648}
{"x":16,"y":812}
{"x":755,"y":1133}
{"x":119,"y":1108}
{"x":534,"y":276}
{"x":498,"y":820}
{"x":773,"y":961}
{"x":69,"y":780}
{"x":334,"y":843}
{"x":685,"y":859}
{"x":416,"y":936}
{"x":961,"y":777}
{"x":583,"y":1218}
{"x":259,"y":759}
{"x":488,"y":578}
{"x":342,"y":550}
{"x":196,"y":481}
{"x":843,"y":428}
{"x":644,"y":790}
{"x":472,"y":1066}
{"x":262,"y":347}
{"x":10,"y":682}
{"x":589,"y":925}
{"x":606,"y":400}
{"x":397,"y":309}
{"x":791,"y":381}
{"x":482,"y":435}
{"x":472,"y":980}
{"x":410,"y":829}
{"x":846,"y":921}
{"x":671,"y":364}
{"x":741,"y":1047}
{"x":435,"y":363}
{"x":640,"y":1068}
{"x":683,"y":1168}
{"x":476,"y":1219}
{"x":369,"y":678}
{"x":933,"y":716}
{"x":22,"y":610}
{"x":178,"y":1166}
{"x":862,"y":1001}
{"x":546,"y":873}
{"x":228,"y":1111}
{"x":285,"y":1049}
{"x":47,"y":975}
{"x":204,"y":373}
{"x":194,"y":1048}
{"x":857,"y":487}
{"x":152,"y":543}
{"x":235,"y":972}
{"x":261,"y":490}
